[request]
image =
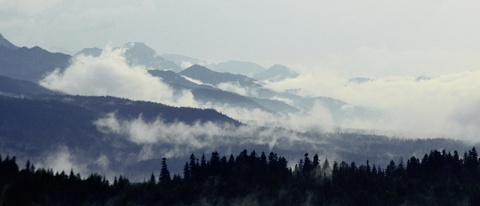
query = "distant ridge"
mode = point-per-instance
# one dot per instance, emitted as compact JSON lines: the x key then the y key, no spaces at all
{"x":9,"y":86}
{"x":214,"y":78}
{"x":30,"y":64}
{"x":275,"y":73}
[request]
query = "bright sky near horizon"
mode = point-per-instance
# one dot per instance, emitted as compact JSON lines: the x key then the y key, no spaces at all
{"x":370,"y":38}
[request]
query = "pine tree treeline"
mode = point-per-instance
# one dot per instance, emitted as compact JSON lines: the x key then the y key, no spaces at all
{"x":439,"y":178}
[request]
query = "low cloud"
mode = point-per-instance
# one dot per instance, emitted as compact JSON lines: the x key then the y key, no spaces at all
{"x":442,"y":106}
{"x":109,"y":74}
{"x":141,"y":132}
{"x":66,"y":160}
{"x":63,"y":160}
{"x":178,"y":139}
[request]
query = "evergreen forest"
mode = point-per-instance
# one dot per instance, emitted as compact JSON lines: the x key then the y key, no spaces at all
{"x":250,"y":178}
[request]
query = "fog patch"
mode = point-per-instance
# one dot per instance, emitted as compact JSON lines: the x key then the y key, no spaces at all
{"x":103,"y":162}
{"x":233,"y":87}
{"x":186,"y":64}
{"x":64,"y":160}
{"x":146,"y":153}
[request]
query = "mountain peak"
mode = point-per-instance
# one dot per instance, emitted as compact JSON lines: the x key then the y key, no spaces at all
{"x":197,"y":68}
{"x":94,"y":51}
{"x":276,"y":72}
{"x":136,"y":44}
{"x":5,"y":43}
{"x":138,"y":53}
{"x":139,"y":48}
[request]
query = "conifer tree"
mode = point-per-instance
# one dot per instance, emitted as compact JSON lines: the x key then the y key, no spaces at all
{"x":164,"y":173}
{"x":326,"y":165}
{"x":316,"y":161}
{"x":187,"y":173}
{"x":152,"y":179}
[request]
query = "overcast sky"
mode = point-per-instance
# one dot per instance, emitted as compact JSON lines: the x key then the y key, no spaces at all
{"x":357,"y":38}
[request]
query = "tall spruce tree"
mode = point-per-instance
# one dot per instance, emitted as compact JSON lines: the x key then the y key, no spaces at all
{"x":164,"y":173}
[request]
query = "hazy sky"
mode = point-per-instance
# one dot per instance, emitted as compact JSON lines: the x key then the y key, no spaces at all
{"x":357,"y":38}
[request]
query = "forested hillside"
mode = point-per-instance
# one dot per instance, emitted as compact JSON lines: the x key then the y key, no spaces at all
{"x":250,"y":178}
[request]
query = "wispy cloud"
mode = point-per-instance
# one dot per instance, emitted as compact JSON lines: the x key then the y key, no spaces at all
{"x":233,"y":87}
{"x":178,"y":139}
{"x":63,"y":160}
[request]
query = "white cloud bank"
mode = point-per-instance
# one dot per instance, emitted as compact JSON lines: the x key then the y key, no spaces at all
{"x":109,"y":74}
{"x":444,"y":106}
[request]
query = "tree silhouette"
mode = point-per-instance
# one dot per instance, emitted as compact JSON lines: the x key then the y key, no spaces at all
{"x":164,"y":173}
{"x":440,"y":178}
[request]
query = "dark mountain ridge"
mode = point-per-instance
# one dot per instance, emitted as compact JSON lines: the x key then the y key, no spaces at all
{"x":9,"y":86}
{"x":35,"y":123}
{"x":30,"y":64}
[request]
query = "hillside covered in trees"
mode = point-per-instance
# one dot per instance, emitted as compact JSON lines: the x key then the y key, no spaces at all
{"x":439,"y":178}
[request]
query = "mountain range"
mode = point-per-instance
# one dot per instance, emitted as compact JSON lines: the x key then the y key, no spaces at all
{"x":210,"y":85}
{"x":137,"y":53}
